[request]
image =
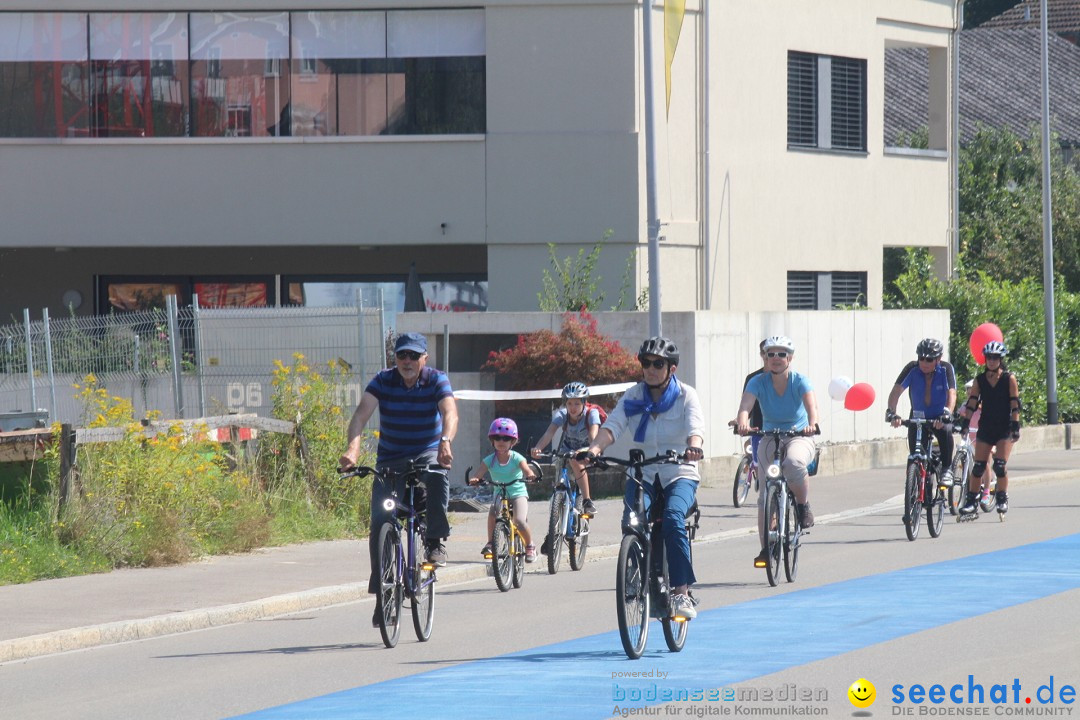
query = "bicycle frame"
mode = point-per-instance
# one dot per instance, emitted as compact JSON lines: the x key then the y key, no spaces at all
{"x":778,"y":542}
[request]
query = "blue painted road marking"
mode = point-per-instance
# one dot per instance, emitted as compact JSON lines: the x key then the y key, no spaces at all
{"x":727,"y":645}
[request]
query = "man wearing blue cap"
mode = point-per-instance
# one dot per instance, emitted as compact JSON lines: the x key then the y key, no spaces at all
{"x":417,"y":421}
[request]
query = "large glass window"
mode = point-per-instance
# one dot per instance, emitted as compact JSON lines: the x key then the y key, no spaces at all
{"x":437,"y":82}
{"x":43,"y":75}
{"x":243,"y":74}
{"x":240,"y":74}
{"x":339,"y":73}
{"x":139,"y":80}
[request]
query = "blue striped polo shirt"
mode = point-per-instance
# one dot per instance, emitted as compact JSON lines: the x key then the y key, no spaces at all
{"x":409,"y":418}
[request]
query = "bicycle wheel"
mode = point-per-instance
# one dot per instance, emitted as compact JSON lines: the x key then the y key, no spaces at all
{"x":935,"y":504}
{"x":388,"y":601}
{"x":423,"y":601}
{"x":518,"y":561}
{"x":792,"y":538}
{"x":912,"y":509}
{"x":743,"y":478}
{"x":556,"y":529}
{"x":632,"y":596}
{"x":674,"y":629}
{"x":501,"y":561}
{"x":773,"y":540}
{"x":579,"y":544}
{"x":961,"y":469}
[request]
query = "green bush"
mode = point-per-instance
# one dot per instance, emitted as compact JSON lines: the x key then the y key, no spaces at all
{"x":1016,"y":308}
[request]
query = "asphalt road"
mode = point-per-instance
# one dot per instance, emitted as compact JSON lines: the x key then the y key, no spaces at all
{"x":994,"y":601}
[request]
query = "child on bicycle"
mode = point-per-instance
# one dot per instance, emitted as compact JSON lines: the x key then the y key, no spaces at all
{"x":505,"y":465}
{"x":580,"y":425}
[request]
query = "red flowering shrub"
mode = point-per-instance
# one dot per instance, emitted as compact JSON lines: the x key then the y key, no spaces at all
{"x":543,"y":360}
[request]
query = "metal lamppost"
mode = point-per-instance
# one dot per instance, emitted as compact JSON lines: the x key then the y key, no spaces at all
{"x":1048,"y":231}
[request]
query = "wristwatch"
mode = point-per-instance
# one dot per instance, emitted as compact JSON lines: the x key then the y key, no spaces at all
{"x":444,"y":439}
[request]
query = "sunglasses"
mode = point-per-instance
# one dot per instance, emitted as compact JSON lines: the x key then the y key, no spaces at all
{"x":407,"y":355}
{"x":659,"y":363}
{"x":993,"y":357}
{"x":502,"y":438}
{"x":779,"y":354}
{"x":927,"y":359}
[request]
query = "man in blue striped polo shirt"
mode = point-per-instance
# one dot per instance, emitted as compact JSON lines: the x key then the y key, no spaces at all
{"x":417,"y":421}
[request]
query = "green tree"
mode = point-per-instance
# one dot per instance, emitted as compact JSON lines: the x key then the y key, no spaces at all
{"x":1001,"y":209}
{"x":976,"y":12}
{"x":571,"y":285}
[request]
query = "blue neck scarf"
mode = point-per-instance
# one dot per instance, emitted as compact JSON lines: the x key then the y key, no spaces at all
{"x":647,"y":408}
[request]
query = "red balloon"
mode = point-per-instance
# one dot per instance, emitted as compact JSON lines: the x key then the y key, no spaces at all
{"x":859,"y":397}
{"x":983,"y":334}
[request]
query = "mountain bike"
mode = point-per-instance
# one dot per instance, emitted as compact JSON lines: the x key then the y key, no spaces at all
{"x":507,"y":554}
{"x":783,"y":532}
{"x":922,"y":484}
{"x":641,"y":581}
{"x":566,"y":520}
{"x":403,"y":570}
{"x":745,"y":475}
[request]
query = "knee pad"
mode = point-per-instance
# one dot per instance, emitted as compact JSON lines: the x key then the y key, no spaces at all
{"x":999,"y":467}
{"x":978,"y":468}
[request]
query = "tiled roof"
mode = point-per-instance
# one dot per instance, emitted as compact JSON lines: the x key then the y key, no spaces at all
{"x":1000,"y":85}
{"x":1061,"y":16}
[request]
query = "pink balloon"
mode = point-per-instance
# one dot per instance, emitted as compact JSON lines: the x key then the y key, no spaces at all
{"x":983,"y":334}
{"x":859,"y":397}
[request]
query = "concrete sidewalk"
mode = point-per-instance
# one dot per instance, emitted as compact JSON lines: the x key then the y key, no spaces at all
{"x":52,"y":616}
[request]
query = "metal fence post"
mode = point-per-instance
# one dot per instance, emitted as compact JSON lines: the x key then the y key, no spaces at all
{"x":30,"y":360}
{"x":446,"y":348}
{"x":174,"y":347}
{"x":49,"y":364}
{"x":198,"y":353}
{"x":360,"y":327}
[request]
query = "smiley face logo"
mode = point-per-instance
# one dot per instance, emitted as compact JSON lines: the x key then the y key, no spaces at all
{"x":862,"y":693}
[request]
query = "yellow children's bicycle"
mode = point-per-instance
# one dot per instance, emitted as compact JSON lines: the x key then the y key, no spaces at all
{"x":507,"y":553}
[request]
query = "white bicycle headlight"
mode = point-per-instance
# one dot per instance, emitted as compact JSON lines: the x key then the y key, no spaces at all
{"x":773,"y":471}
{"x":633,"y":518}
{"x":389,"y":504}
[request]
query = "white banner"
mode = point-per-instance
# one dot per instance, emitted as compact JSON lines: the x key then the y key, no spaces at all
{"x":536,"y":394}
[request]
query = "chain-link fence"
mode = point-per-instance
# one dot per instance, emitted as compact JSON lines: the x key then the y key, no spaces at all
{"x":184,"y":362}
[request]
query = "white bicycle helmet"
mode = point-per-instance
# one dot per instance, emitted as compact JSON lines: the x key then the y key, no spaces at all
{"x":995,"y":347}
{"x":575,"y":390}
{"x":779,"y":341}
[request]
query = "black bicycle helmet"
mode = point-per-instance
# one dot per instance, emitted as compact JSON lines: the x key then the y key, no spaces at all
{"x":929,"y":348}
{"x":575,"y":390}
{"x":660,"y":347}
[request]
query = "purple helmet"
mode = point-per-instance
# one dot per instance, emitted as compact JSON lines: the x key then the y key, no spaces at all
{"x":503,"y":426}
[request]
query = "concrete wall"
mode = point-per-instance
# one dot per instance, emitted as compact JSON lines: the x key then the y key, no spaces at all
{"x":719,"y":349}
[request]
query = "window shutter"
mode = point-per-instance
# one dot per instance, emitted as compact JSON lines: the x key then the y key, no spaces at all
{"x":848,"y":104}
{"x":801,"y":290}
{"x":848,"y":288}
{"x":802,"y":99}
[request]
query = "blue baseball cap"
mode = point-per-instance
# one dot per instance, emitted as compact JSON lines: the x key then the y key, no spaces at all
{"x":411,"y":341}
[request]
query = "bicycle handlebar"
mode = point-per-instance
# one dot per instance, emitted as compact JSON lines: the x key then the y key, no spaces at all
{"x":416,"y":467}
{"x":782,"y":433}
{"x":603,"y":461}
{"x":490,"y":481}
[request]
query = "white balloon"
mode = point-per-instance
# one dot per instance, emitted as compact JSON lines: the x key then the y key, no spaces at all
{"x":839,"y":386}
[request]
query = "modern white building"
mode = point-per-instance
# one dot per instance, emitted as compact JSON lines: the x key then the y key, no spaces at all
{"x":273,"y":151}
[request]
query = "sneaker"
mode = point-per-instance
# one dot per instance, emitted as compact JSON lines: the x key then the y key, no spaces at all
{"x":682,"y":606}
{"x":762,"y":559}
{"x":588,"y":507}
{"x":947,"y":477}
{"x":1002,"y":502}
{"x":486,"y":551}
{"x":530,"y":553}
{"x":971,"y":504}
{"x":436,"y":553}
{"x":545,"y":547}
{"x":806,"y":518}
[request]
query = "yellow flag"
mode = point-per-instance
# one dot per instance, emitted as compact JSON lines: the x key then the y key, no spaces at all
{"x":673,"y":17}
